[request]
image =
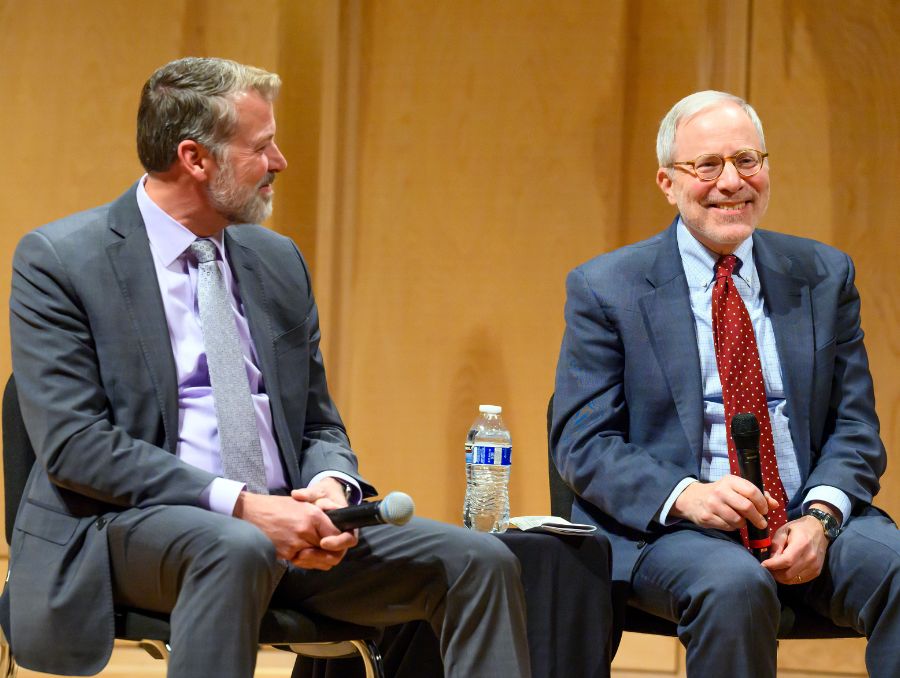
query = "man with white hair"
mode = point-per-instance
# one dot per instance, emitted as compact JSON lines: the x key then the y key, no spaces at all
{"x":666,"y":341}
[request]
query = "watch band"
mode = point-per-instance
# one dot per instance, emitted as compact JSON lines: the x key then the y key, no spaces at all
{"x":829,"y":523}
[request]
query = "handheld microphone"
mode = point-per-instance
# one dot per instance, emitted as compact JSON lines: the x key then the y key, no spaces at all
{"x":396,"y":509}
{"x":745,"y":433}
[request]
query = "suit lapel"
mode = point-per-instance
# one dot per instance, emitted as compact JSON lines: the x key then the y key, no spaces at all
{"x":246,"y":270}
{"x":132,"y":261}
{"x":669,"y":322}
{"x":788,"y":303}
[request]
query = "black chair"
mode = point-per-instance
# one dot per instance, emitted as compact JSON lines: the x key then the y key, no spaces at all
{"x":303,"y":633}
{"x":797,"y":621}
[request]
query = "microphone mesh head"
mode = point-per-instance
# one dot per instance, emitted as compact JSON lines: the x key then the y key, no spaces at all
{"x":397,"y":508}
{"x":745,"y":430}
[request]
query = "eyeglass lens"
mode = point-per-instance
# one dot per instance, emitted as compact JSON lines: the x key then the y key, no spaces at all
{"x":747,"y":163}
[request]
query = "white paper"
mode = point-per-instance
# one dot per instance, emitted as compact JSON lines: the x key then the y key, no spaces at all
{"x":550,"y":524}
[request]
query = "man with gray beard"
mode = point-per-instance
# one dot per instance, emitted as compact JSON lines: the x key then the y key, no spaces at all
{"x":172,"y":479}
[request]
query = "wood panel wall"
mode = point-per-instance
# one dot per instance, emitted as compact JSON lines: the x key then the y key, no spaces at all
{"x":498,"y":144}
{"x":451,"y":160}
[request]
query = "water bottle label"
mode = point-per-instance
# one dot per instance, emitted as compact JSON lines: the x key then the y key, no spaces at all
{"x":468,"y":453}
{"x":492,"y":455}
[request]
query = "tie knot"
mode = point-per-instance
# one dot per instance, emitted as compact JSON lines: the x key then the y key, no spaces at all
{"x":725,"y":265}
{"x":204,"y":250}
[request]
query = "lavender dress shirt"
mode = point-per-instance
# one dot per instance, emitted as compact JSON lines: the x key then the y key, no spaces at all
{"x":198,"y":432}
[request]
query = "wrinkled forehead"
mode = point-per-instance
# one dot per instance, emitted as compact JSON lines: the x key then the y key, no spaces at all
{"x":255,"y":117}
{"x":723,"y":127}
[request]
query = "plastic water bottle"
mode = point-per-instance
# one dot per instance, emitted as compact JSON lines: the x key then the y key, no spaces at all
{"x":488,"y":457}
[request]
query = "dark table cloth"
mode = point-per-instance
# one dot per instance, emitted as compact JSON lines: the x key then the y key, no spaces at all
{"x":570,"y":616}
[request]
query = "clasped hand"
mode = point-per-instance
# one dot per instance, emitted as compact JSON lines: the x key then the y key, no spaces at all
{"x":798,"y":548}
{"x":298,"y":526}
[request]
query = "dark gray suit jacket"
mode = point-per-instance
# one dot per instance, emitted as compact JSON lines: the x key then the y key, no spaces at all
{"x":97,"y":385}
{"x":628,"y":409}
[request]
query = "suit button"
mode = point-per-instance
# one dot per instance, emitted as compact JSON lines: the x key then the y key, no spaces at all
{"x":101,"y":523}
{"x":641,"y":544}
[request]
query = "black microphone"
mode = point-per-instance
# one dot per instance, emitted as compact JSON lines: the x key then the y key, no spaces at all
{"x":745,"y":433}
{"x":396,"y":508}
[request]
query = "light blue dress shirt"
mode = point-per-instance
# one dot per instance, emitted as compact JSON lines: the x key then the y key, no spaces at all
{"x":699,"y":268}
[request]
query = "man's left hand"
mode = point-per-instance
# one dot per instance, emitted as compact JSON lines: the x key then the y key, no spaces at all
{"x":798,"y":551}
{"x":327,"y":494}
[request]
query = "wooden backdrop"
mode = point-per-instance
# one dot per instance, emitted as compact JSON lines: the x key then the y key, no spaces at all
{"x":451,"y":160}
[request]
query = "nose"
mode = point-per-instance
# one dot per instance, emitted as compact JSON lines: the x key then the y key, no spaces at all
{"x":729,"y":179}
{"x":277,"y":162}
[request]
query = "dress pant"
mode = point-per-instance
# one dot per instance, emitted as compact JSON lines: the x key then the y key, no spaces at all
{"x":216,"y":575}
{"x":571,"y":625}
{"x":727,"y":606}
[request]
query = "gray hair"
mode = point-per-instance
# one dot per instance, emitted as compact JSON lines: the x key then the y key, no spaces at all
{"x":687,"y":108}
{"x":193,"y":98}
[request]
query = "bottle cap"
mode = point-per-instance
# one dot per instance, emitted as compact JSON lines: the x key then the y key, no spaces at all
{"x":490,"y":409}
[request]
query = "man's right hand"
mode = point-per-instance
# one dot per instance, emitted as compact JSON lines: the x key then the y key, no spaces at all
{"x":726,"y":504}
{"x":300,"y":530}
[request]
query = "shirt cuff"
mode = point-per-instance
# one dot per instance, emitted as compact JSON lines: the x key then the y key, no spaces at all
{"x":832,"y":496}
{"x":221,"y":495}
{"x":679,"y":488}
{"x":355,"y":490}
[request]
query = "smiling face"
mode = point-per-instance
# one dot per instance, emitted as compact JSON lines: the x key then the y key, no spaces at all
{"x":241,"y":189}
{"x":722,"y":213}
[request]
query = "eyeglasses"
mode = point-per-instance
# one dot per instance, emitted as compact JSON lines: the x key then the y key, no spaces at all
{"x":708,"y":167}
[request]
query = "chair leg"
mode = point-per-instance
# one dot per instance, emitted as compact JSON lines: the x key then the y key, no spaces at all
{"x":371,"y":657}
{"x":157,"y":649}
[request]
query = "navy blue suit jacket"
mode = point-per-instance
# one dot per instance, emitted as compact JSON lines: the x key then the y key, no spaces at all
{"x":628,"y":409}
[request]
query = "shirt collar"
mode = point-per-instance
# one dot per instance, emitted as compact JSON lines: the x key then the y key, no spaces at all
{"x":699,"y":263}
{"x":168,"y":238}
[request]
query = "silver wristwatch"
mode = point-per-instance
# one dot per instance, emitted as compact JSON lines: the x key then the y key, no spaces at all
{"x":829,"y":523}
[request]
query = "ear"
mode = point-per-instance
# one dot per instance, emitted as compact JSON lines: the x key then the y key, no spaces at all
{"x":664,"y":181}
{"x":195,"y":159}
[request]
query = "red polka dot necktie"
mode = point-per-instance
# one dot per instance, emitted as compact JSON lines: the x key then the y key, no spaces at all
{"x":743,"y":390}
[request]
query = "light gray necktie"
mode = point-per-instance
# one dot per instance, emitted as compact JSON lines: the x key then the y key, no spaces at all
{"x":242,"y":457}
